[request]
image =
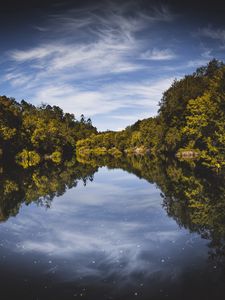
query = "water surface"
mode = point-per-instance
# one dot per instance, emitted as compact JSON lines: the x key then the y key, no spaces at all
{"x":110,"y":238}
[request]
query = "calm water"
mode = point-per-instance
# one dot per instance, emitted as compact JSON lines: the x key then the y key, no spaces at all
{"x":110,"y":238}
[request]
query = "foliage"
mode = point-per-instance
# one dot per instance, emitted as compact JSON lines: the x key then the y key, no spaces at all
{"x":56,"y":157}
{"x":191,"y":118}
{"x":28,"y":158}
{"x":34,"y":133}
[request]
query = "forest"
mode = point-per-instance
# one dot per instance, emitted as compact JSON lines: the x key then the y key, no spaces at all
{"x":190,"y":120}
{"x":30,"y":135}
{"x":190,"y":123}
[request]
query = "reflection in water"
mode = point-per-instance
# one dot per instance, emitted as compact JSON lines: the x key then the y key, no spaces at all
{"x":41,"y":184}
{"x":194,"y":197}
{"x":111,"y":239}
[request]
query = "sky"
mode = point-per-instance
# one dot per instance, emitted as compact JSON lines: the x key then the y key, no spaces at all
{"x":109,"y":60}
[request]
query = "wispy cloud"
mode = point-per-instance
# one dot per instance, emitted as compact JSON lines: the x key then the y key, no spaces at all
{"x":75,"y":100}
{"x":218,"y":34}
{"x":96,"y":41}
{"x":213,"y":33}
{"x":101,"y":57}
{"x":197,"y":62}
{"x":158,"y":54}
{"x":144,"y":93}
{"x":104,"y":99}
{"x":85,"y":57}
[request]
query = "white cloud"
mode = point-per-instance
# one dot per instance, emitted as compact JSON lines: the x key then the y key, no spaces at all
{"x":105,"y":99}
{"x":143,"y":93}
{"x":99,"y":40}
{"x":109,"y":54}
{"x":86,"y":52}
{"x":17,"y":78}
{"x":217,"y":34}
{"x":158,"y":54}
{"x":197,"y":62}
{"x":76,"y":101}
{"x":214,"y":34}
{"x":36,"y":53}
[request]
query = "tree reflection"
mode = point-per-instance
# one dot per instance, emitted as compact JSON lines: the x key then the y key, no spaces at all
{"x":193,"y":196}
{"x":40,"y":184}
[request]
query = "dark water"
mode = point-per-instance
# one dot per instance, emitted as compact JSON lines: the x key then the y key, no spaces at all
{"x":137,"y":231}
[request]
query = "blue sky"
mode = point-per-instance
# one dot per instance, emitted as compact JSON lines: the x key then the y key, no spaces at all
{"x":110,"y":61}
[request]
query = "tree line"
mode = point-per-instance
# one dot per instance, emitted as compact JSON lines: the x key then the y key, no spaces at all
{"x":191,"y":119}
{"x":30,"y":134}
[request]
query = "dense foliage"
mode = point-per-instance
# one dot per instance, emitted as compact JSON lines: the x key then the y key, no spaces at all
{"x":32,"y":134}
{"x":191,"y":120}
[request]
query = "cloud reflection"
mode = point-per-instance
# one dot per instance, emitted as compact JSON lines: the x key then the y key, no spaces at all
{"x":115,"y":225}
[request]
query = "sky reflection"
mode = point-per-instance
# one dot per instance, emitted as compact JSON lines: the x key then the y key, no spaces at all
{"x":113,"y":229}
